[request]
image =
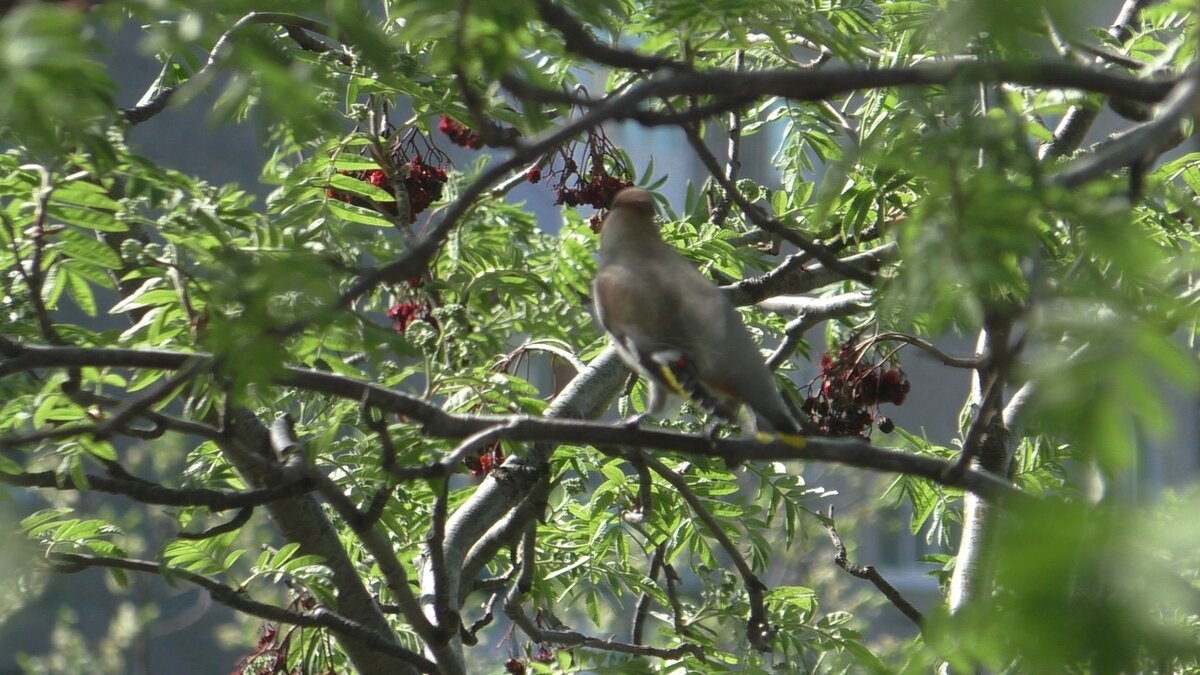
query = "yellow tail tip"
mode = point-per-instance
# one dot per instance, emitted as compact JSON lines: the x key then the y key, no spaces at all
{"x":795,"y":440}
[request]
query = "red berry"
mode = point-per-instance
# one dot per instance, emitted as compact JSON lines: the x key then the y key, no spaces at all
{"x":533,"y":175}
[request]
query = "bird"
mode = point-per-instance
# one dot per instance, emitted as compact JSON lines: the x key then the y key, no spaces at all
{"x":677,"y":329}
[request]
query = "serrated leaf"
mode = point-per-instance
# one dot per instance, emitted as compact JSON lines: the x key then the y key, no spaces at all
{"x":358,"y":214}
{"x":40,"y":521}
{"x":138,"y":298}
{"x":80,"y":292}
{"x":83,"y":247}
{"x":84,"y":194}
{"x":85,"y":218}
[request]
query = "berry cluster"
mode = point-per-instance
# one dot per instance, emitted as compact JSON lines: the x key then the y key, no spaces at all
{"x":515,"y":666}
{"x":423,"y":180}
{"x":851,"y":389}
{"x":403,"y":314}
{"x":602,"y":175}
{"x":482,"y":464}
{"x":460,"y":134}
{"x":596,"y":191}
{"x":424,"y":185}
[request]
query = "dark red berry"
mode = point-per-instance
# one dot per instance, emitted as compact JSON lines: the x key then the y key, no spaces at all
{"x":533,"y":175}
{"x":403,"y":314}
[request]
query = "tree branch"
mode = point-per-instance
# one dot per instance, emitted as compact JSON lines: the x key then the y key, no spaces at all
{"x":760,"y":217}
{"x":1076,"y":122}
{"x":152,"y":493}
{"x":871,"y":574}
{"x":246,"y":444}
{"x":576,"y":39}
{"x":549,"y":430}
{"x":1141,"y":144}
{"x":929,"y":348}
{"x":758,"y":629}
{"x":238,"y":600}
{"x":810,"y":311}
{"x":158,"y":103}
{"x":570,"y":638}
{"x":791,"y":277}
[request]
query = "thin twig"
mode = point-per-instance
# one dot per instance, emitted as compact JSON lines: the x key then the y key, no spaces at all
{"x":641,"y":610}
{"x":156,"y":104}
{"x":242,"y":517}
{"x":760,"y":217}
{"x":570,"y":638}
{"x":152,"y":493}
{"x":238,"y":600}
{"x":871,"y":574}
{"x":758,"y":629}
{"x":928,"y":347}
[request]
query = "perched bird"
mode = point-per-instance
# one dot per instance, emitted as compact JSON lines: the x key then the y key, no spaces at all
{"x":676,"y":328}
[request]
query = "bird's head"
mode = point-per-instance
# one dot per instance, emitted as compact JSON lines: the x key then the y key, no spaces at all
{"x":633,"y":209}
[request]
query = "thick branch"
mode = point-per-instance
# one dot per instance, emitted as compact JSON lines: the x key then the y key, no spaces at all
{"x":577,"y":401}
{"x":810,"y":312}
{"x":1143,"y":143}
{"x":247,"y":445}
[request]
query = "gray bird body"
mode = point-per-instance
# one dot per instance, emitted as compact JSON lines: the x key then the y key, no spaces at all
{"x":662,"y":313}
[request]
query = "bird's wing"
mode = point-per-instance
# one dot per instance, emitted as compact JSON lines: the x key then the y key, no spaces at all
{"x":625,"y":310}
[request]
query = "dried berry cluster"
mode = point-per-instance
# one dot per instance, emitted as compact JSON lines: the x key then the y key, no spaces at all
{"x":602,"y":175}
{"x":851,"y":388}
{"x":460,"y":134}
{"x":489,"y":458}
{"x":273,"y":650}
{"x":403,"y":314}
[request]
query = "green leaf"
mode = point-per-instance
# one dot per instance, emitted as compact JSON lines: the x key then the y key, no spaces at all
{"x":83,"y":247}
{"x":81,"y":292}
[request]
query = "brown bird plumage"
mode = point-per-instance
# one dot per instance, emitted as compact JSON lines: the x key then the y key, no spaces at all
{"x":674,"y":326}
